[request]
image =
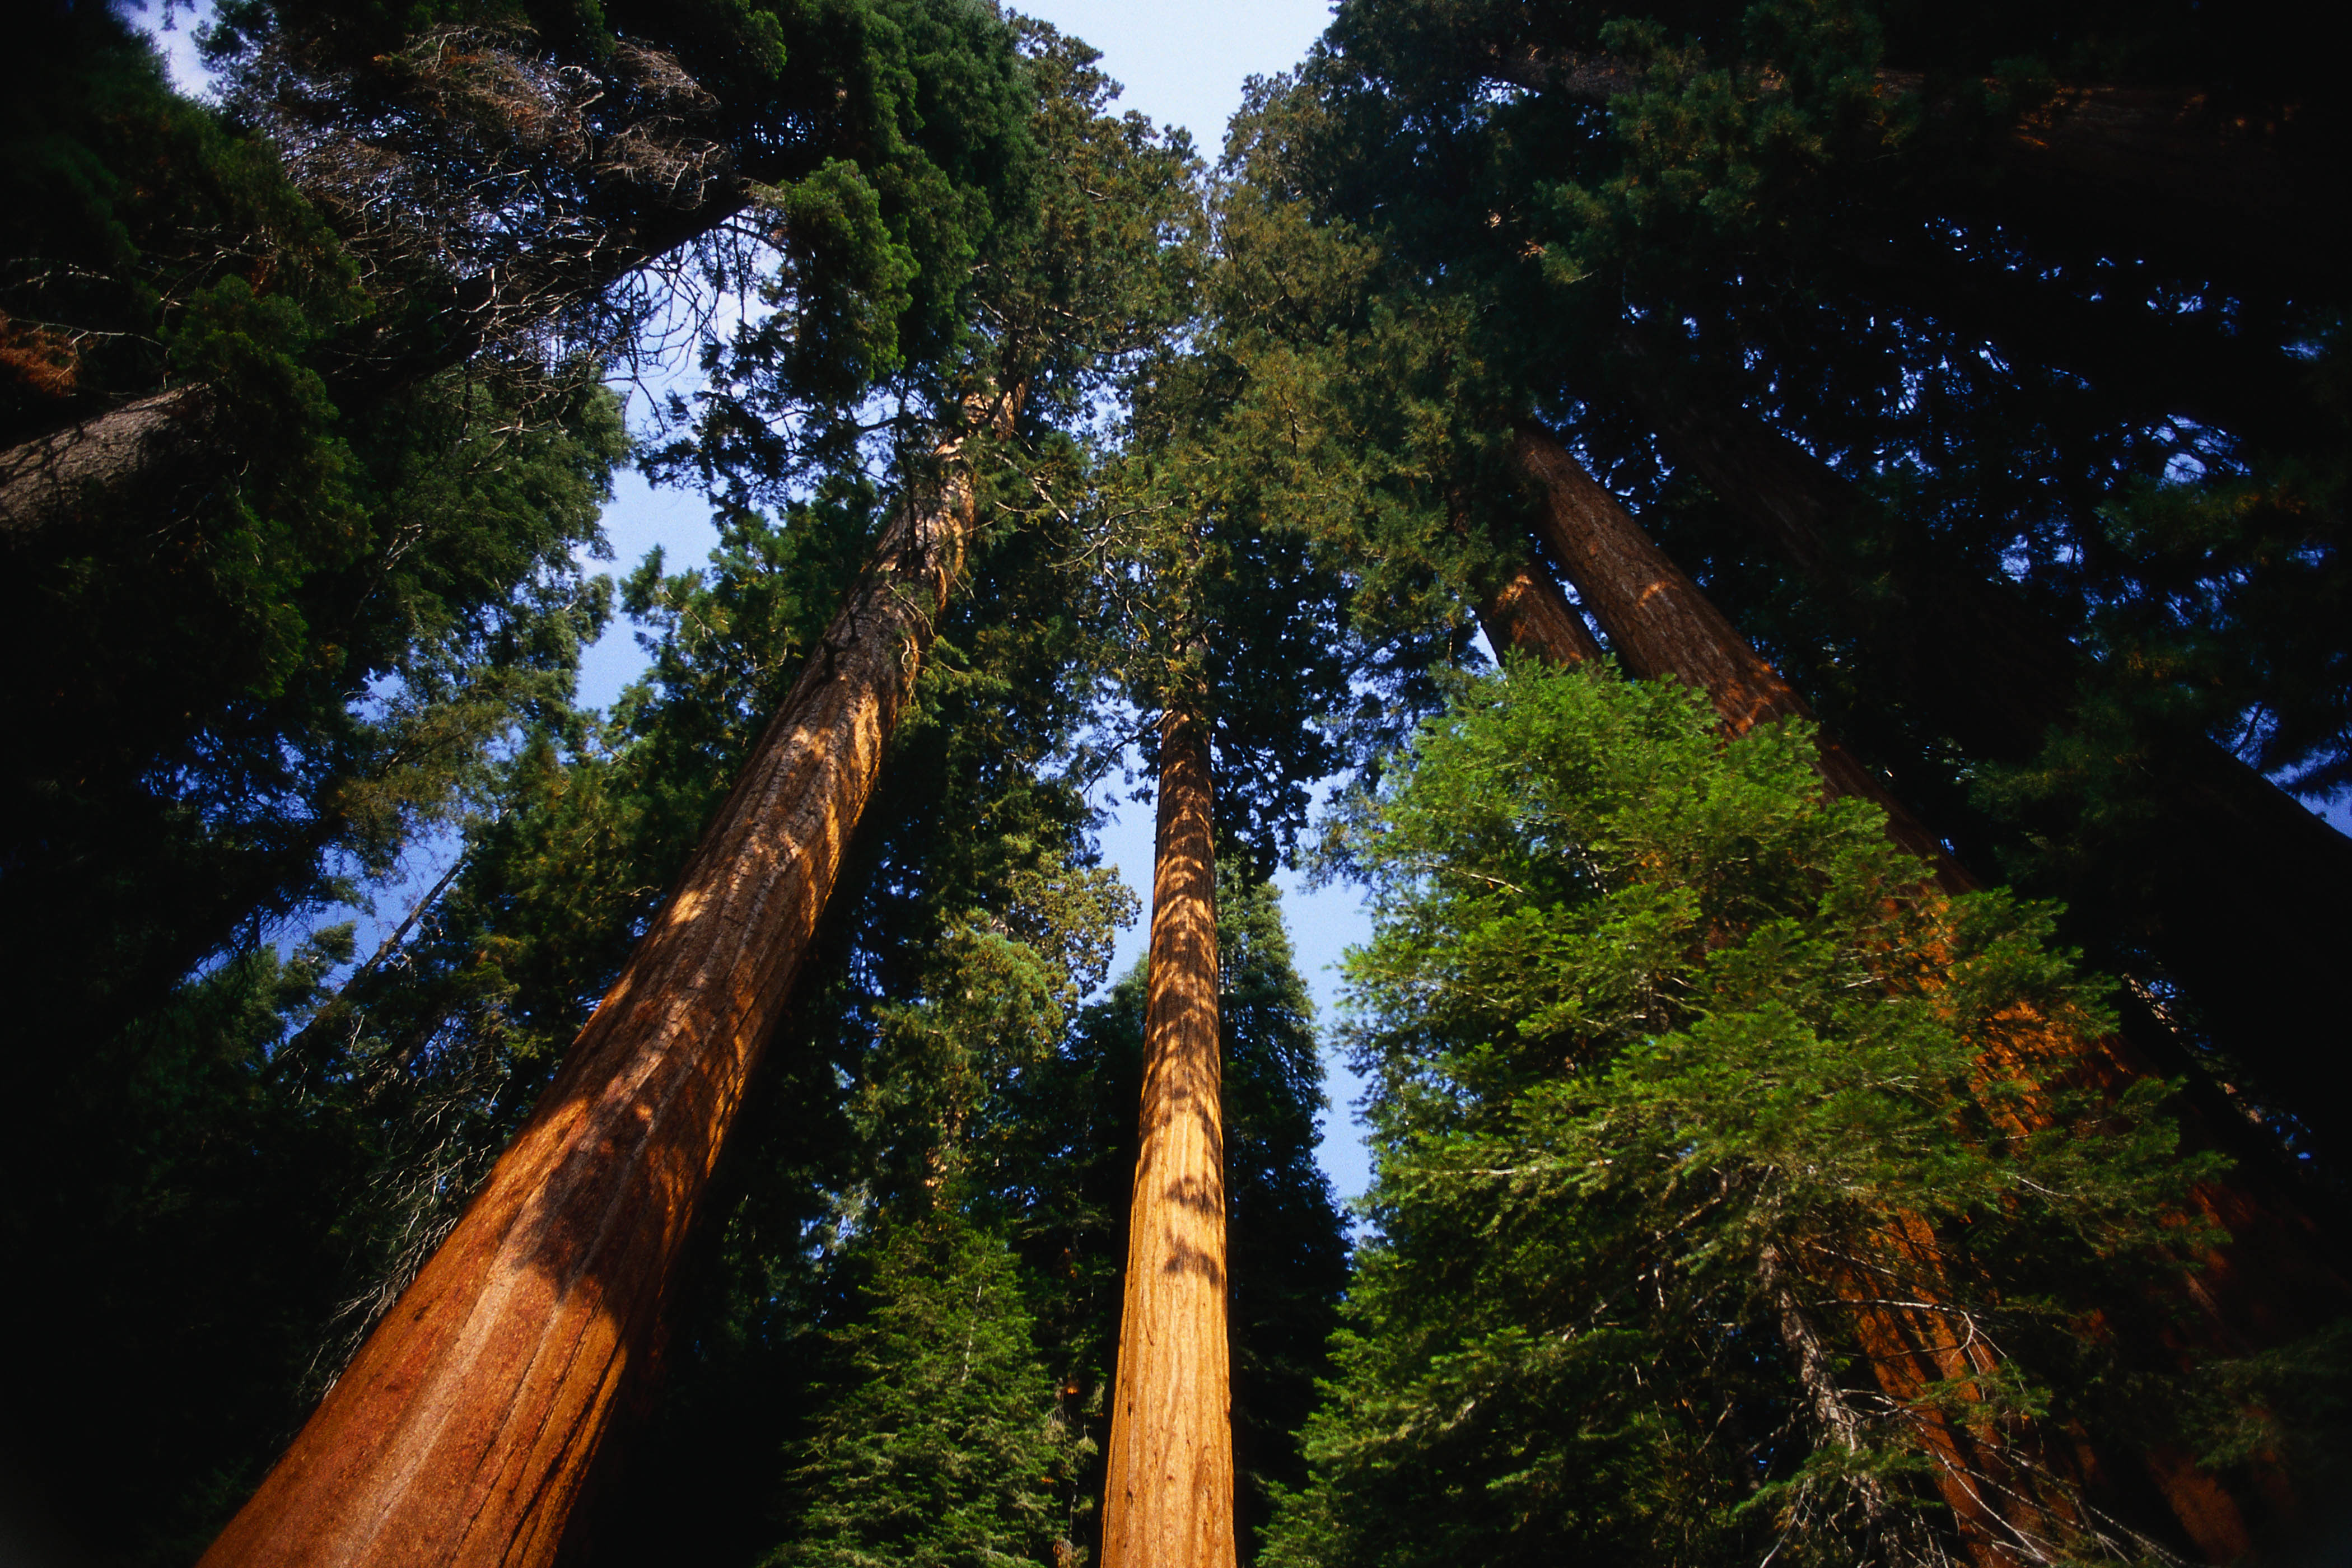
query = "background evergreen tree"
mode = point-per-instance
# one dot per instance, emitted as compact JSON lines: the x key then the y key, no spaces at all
{"x":937,"y":1439}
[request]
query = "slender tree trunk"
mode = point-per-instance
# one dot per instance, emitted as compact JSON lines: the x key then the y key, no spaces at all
{"x":463,"y":1430}
{"x":1167,"y":1497}
{"x":1529,"y":615}
{"x":2270,"y":1284}
{"x":2246,"y":907}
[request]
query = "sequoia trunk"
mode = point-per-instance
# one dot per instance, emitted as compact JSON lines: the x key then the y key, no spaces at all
{"x":2245,"y":906}
{"x":464,"y":1428}
{"x":2272,"y":1282}
{"x":1529,"y":615}
{"x":1662,"y":626}
{"x":1168,"y":1496}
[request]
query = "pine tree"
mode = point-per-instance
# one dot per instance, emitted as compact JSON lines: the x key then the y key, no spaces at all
{"x":1666,"y":628}
{"x":635,"y":1120}
{"x":507,"y":1353}
{"x":1822,"y":222}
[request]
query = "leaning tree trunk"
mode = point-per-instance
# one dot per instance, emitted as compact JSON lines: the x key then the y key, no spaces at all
{"x":463,"y":1430}
{"x":1529,"y":615}
{"x":2268,"y":1286}
{"x":1168,"y":1496}
{"x":1662,"y":626}
{"x":2246,"y":907}
{"x":644,"y":190}
{"x":147,"y":457}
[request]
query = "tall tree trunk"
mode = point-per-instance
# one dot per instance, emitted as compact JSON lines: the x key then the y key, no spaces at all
{"x":1168,"y":1496}
{"x":463,"y":1430}
{"x":2246,"y":905}
{"x":1662,"y":626}
{"x":2270,"y":1284}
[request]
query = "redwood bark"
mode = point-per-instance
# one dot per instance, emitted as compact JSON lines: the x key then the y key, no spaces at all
{"x":1662,"y":626}
{"x":2246,"y":909}
{"x":1168,"y":1496}
{"x":2274,"y":1281}
{"x":464,"y":1430}
{"x":1529,"y":615}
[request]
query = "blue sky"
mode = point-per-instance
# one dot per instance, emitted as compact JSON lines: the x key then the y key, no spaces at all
{"x":1181,"y":66}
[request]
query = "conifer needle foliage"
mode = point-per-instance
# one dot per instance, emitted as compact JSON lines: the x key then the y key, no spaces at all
{"x":1684,"y":1077}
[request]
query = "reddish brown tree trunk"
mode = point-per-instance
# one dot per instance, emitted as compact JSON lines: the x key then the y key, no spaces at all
{"x":1529,"y":615}
{"x":2267,"y":1286}
{"x":1168,"y":1496}
{"x":2245,"y":903}
{"x":463,"y":1430}
{"x":1661,"y":626}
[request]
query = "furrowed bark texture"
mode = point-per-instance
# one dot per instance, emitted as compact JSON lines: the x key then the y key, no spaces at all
{"x":2246,"y":905}
{"x":464,"y":1430}
{"x":2271,"y":1283}
{"x":1168,"y":1496}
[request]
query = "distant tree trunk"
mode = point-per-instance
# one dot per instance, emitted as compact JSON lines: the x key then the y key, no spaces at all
{"x":2274,"y":1281}
{"x":135,"y":454}
{"x":463,"y":1430}
{"x":1529,"y":615}
{"x":1168,"y":1496}
{"x":1662,"y":626}
{"x":644,"y":190}
{"x":2247,"y":909}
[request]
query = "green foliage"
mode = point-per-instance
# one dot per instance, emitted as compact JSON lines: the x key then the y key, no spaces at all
{"x":2061,"y":413}
{"x":935,"y":1441}
{"x":1668,"y":1052}
{"x":127,"y":205}
{"x":1286,"y":1245}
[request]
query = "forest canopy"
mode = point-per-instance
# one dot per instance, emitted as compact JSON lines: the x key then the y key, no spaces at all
{"x":1800,"y":545}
